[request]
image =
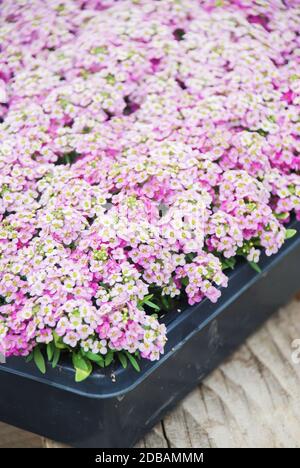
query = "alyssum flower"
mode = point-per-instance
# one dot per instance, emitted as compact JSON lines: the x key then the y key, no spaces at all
{"x":137,"y":163}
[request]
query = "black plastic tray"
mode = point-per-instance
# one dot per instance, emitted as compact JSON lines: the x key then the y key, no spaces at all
{"x":103,"y":413}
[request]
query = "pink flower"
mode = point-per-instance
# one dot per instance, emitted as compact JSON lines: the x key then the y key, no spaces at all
{"x":44,"y":336}
{"x":139,"y":163}
{"x":71,"y":339}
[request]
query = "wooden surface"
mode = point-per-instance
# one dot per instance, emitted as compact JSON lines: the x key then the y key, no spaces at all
{"x":252,"y":400}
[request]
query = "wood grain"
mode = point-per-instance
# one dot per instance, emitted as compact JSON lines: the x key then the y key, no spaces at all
{"x":251,"y":400}
{"x":11,"y":437}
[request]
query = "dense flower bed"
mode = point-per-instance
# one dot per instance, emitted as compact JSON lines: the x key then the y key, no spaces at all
{"x":143,"y":146}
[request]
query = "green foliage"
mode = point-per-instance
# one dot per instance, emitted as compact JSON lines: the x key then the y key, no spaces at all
{"x":255,"y":267}
{"x":147,"y":301}
{"x":228,"y":263}
{"x":133,"y":361}
{"x":50,"y":350}
{"x":97,"y":358}
{"x":59,"y":344}
{"x":289,"y":233}
{"x":123,"y":359}
{"x":56,"y":357}
{"x":29,"y":357}
{"x":282,"y":216}
{"x":109,"y":357}
{"x":152,"y":305}
{"x":39,"y":360}
{"x":167,"y":303}
{"x":185,"y":281}
{"x":83,"y":366}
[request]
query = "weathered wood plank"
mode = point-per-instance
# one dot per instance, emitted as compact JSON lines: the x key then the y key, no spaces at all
{"x":251,"y":400}
{"x":11,"y":437}
{"x":155,"y":438}
{"x":47,"y":443}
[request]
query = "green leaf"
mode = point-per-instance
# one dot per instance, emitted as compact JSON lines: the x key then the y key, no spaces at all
{"x":255,"y":267}
{"x":191,"y":256}
{"x":167,"y":302}
{"x":289,"y":233}
{"x":185,"y":281}
{"x":143,"y":301}
{"x":282,"y":215}
{"x":100,"y":363}
{"x":50,"y":350}
{"x":262,"y":132}
{"x":123,"y":359}
{"x":146,"y":298}
{"x":228,"y":263}
{"x":109,"y":357}
{"x":58,"y":341}
{"x":292,"y":189}
{"x":133,"y":361}
{"x":29,"y":357}
{"x":152,"y":305}
{"x":83,"y":367}
{"x":94,"y":357}
{"x":56,"y":356}
{"x":39,"y":360}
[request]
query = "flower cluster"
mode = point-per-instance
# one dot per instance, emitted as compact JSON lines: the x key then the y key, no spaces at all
{"x":143,"y":145}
